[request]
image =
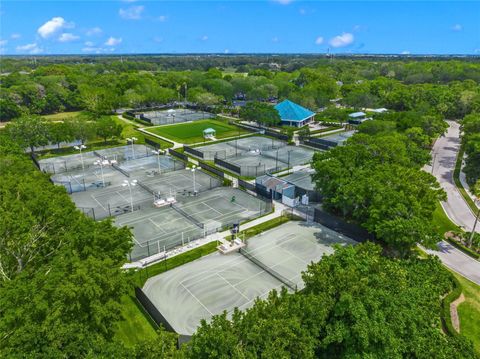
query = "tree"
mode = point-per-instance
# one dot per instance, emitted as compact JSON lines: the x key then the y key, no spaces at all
{"x":29,"y":131}
{"x":9,"y":110}
{"x":82,"y":129}
{"x":60,"y":132}
{"x":106,"y":127}
{"x":260,"y":113}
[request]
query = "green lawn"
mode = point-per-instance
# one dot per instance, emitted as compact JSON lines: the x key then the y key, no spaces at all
{"x":192,"y":132}
{"x":135,"y":327}
{"x":130,"y":130}
{"x":62,"y":116}
{"x":469,"y":311}
{"x":442,"y":222}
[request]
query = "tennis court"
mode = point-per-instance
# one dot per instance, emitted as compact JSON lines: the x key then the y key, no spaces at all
{"x":302,"y":179}
{"x":112,"y":200}
{"x":198,"y":290}
{"x":67,"y":163}
{"x":166,"y":117}
{"x":255,"y":155}
{"x":92,"y":178}
{"x":125,"y":153}
{"x":150,"y":166}
{"x":191,"y":218}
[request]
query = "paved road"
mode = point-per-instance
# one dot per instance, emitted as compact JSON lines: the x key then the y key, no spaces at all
{"x":445,"y":154}
{"x":458,"y":261}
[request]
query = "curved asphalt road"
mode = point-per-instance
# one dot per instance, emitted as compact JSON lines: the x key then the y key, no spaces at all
{"x":445,"y":153}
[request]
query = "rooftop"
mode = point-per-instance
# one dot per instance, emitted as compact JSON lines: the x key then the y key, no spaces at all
{"x":357,"y":114}
{"x":290,"y":111}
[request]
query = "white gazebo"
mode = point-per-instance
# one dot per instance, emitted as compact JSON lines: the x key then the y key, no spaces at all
{"x":209,"y":133}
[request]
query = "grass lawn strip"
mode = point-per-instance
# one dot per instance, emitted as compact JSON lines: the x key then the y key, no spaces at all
{"x":136,"y":325}
{"x":469,"y":311}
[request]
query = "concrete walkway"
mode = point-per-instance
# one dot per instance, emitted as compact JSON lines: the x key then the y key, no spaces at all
{"x":444,"y":156}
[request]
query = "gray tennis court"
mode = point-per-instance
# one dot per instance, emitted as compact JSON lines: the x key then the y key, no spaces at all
{"x":67,"y":163}
{"x":91,"y":178}
{"x":256,"y":155}
{"x":198,"y":290}
{"x":239,"y":146}
{"x":166,"y":117}
{"x":302,"y":179}
{"x":148,"y":167}
{"x":156,"y":229}
{"x":125,"y":153}
{"x":112,"y":200}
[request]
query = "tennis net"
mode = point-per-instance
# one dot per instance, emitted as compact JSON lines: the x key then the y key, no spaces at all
{"x":269,"y":270}
{"x":187,"y":216}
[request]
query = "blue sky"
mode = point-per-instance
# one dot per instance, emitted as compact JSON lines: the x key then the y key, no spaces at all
{"x":282,"y":26}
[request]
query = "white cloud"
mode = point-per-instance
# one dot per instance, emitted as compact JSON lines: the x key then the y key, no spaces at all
{"x":30,"y":48}
{"x":15,"y":36}
{"x":67,"y":37}
{"x":457,"y":27}
{"x":283,"y":2}
{"x":158,"y":39}
{"x":3,"y":42}
{"x":132,"y":13}
{"x":226,"y":51}
{"x":406,"y":52}
{"x":275,"y":39}
{"x":319,"y":40}
{"x":204,"y":38}
{"x":302,"y":11}
{"x":52,"y":26}
{"x":162,"y":18}
{"x":89,"y":44}
{"x":94,"y":31}
{"x":342,"y":40}
{"x":112,"y":41}
{"x":129,"y":1}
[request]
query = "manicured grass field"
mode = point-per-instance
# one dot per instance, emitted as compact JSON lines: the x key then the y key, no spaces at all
{"x":192,"y":132}
{"x":61,"y":116}
{"x":469,"y":311}
{"x":135,"y":327}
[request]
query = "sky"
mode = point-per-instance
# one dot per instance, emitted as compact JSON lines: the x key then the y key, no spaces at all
{"x":268,"y":26}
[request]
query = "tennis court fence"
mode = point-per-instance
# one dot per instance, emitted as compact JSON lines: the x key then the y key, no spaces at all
{"x":187,"y":216}
{"x":269,"y":270}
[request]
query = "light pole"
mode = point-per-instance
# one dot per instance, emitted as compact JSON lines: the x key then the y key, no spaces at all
{"x":470,"y":240}
{"x":132,"y":141}
{"x":193,"y":172}
{"x":157,"y":152}
{"x":102,"y":163}
{"x":80,"y":148}
{"x":130,"y":184}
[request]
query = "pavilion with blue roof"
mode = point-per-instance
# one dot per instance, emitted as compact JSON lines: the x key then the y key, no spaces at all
{"x":293,"y":114}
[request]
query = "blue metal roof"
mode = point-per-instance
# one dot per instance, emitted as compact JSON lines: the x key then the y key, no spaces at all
{"x":290,"y":111}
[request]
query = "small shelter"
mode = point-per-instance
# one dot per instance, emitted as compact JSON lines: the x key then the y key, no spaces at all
{"x":209,"y":133}
{"x":293,"y":114}
{"x":357,"y":118}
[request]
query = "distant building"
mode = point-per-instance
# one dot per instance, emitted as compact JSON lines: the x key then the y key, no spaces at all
{"x":357,"y":118}
{"x":379,"y":110}
{"x":293,"y":114}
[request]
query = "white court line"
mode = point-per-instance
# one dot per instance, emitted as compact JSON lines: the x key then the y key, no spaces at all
{"x":213,"y":209}
{"x":124,"y":198}
{"x":198,"y":300}
{"x":91,"y":195}
{"x":230,"y":284}
{"x":156,"y":225}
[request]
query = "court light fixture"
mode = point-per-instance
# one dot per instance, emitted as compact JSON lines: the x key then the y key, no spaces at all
{"x":130,"y":184}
